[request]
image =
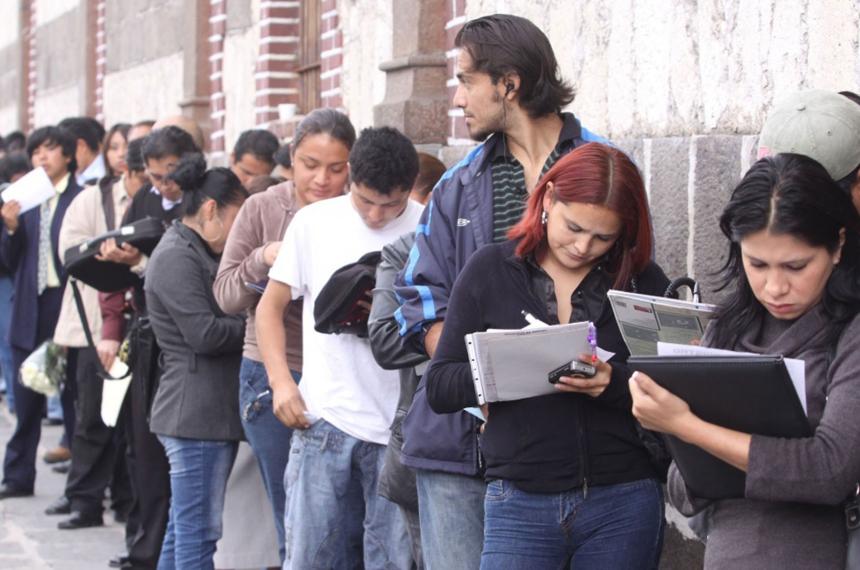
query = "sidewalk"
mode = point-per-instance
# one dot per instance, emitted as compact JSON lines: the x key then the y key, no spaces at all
{"x":30,"y":540}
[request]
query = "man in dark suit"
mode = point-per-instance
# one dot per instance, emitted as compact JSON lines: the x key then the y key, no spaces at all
{"x":28,"y":246}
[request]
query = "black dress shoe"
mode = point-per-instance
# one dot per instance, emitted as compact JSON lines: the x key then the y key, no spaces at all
{"x":59,"y":507}
{"x":81,"y":520}
{"x":120,"y":561}
{"x":62,"y":468}
{"x":7,"y":492}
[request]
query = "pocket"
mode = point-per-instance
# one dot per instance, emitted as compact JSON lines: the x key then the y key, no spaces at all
{"x":498,"y":490}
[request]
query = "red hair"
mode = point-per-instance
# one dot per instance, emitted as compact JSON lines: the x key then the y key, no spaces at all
{"x":602,"y":175}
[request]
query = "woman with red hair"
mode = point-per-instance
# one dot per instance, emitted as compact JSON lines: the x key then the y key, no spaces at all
{"x":570,"y":481}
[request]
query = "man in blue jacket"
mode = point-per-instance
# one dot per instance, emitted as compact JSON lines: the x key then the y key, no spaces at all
{"x":29,"y":247}
{"x":511,"y":95}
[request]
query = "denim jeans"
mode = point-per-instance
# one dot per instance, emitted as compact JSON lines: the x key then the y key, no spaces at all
{"x":325,"y":463}
{"x":451,"y":509}
{"x":269,"y":438}
{"x":198,"y":481}
{"x":10,"y":375}
{"x":614,"y":526}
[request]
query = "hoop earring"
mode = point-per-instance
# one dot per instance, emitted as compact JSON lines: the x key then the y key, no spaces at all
{"x":220,"y":231}
{"x":543,"y":218}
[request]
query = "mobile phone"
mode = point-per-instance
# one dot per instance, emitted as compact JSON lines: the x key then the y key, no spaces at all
{"x":572,"y":368}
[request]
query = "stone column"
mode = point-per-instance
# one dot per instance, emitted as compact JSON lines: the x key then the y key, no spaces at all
{"x":195,"y":80}
{"x":416,"y":101}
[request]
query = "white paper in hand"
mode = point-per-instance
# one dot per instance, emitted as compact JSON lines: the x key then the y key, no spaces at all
{"x":113,"y":392}
{"x":31,"y":190}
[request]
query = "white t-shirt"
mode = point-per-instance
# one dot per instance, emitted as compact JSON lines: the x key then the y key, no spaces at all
{"x":341,"y":381}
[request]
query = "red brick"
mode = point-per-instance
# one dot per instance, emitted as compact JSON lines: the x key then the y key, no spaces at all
{"x":276,"y":83}
{"x":280,"y":30}
{"x":332,"y":62}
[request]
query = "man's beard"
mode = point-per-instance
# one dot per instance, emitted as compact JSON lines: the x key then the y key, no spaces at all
{"x":496,"y":124}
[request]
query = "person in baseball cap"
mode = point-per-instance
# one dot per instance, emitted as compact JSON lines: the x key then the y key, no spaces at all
{"x":822,"y":125}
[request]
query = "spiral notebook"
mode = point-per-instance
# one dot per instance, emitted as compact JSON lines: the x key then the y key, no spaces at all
{"x":513,"y":364}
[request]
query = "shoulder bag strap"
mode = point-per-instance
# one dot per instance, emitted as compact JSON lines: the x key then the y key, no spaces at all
{"x":79,"y":304}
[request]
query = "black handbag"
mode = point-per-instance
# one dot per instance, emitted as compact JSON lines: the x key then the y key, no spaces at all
{"x":107,"y":276}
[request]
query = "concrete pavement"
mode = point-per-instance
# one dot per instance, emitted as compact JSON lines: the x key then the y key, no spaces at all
{"x":30,"y":540}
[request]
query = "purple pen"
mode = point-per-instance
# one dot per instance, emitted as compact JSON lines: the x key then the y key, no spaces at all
{"x":592,"y":341}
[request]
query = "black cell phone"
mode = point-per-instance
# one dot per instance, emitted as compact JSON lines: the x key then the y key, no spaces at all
{"x":572,"y":368}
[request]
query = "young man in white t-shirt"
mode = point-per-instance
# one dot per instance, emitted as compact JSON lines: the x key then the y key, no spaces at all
{"x":345,"y":403}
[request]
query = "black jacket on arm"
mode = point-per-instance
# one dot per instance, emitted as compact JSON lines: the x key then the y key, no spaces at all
{"x":548,"y":443}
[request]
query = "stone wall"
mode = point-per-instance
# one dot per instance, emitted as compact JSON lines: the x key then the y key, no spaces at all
{"x":139,"y":31}
{"x":10,"y":59}
{"x":367,"y":42}
{"x":144,"y":67}
{"x":661,"y":68}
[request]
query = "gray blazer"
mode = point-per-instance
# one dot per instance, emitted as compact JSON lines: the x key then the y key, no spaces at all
{"x":197,"y":395}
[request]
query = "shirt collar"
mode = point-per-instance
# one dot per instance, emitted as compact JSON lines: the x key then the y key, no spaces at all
{"x":61,"y":186}
{"x":95,"y":171}
{"x":570,"y":131}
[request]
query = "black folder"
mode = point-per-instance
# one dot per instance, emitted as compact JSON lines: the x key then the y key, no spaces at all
{"x":751,"y":394}
{"x":107,"y":276}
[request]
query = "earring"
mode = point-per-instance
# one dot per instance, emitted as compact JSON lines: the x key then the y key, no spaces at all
{"x":543,"y":218}
{"x":220,"y":231}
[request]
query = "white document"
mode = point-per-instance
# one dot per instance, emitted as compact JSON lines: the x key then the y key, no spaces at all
{"x":514,"y":364}
{"x":113,"y":392}
{"x":31,"y":190}
{"x":796,"y":368}
{"x":645,"y":320}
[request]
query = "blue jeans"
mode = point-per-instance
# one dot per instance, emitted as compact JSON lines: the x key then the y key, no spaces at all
{"x":325,"y":463}
{"x":614,"y":526}
{"x":7,"y":368}
{"x":198,"y":481}
{"x":451,"y":510}
{"x":269,"y":438}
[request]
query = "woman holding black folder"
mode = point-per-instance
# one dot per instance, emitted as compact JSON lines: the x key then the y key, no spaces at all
{"x":570,"y":481}
{"x":794,"y":274}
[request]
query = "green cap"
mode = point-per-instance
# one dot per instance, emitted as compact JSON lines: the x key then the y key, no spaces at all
{"x":822,"y":125}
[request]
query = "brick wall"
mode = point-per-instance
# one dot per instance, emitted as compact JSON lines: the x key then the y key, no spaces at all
{"x":277,"y":63}
{"x":456,"y":14}
{"x":331,"y":56}
{"x":217,"y":101}
{"x":29,"y":65}
{"x":100,"y":58}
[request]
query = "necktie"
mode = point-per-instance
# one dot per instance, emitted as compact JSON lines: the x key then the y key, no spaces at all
{"x":44,"y":246}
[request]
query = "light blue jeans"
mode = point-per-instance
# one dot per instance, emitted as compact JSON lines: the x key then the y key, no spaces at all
{"x":269,"y":438}
{"x":198,"y":481}
{"x":451,"y":510}
{"x":6,"y":367}
{"x":325,"y":463}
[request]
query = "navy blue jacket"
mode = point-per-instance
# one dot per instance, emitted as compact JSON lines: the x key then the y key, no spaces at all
{"x":20,"y":253}
{"x":458,"y":221}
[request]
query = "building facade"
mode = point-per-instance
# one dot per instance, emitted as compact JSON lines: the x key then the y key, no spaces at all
{"x":682,"y":85}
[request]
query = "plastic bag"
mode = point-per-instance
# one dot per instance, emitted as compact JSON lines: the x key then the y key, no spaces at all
{"x":45,"y":369}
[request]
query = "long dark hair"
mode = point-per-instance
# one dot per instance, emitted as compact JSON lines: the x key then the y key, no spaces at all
{"x":788,"y":194}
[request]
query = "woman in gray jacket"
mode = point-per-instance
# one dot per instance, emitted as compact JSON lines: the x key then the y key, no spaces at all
{"x":793,"y":268}
{"x":195,"y":413}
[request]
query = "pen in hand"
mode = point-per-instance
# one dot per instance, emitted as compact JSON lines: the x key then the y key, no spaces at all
{"x":592,"y":342}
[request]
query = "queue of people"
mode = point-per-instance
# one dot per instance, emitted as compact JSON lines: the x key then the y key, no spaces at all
{"x":251,"y":321}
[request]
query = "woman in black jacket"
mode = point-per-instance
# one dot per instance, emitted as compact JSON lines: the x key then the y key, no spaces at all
{"x":195,"y":412}
{"x":570,"y":481}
